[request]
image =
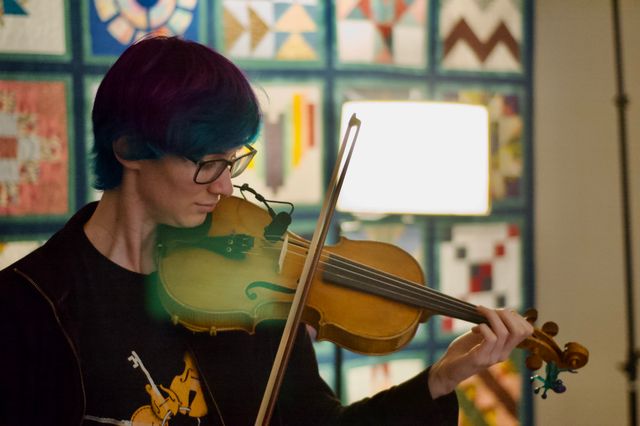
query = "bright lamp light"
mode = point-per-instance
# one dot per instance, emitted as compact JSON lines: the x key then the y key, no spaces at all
{"x":418,"y":158}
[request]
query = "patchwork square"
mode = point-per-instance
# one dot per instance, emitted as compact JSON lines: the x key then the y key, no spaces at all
{"x":34,"y":148}
{"x":483,"y":276}
{"x":290,"y":147}
{"x":382,"y":33}
{"x":481,"y":35}
{"x":33,"y":27}
{"x":115,"y":24}
{"x":273,"y":30}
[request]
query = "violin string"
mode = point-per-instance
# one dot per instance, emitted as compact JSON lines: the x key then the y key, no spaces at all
{"x":424,"y":296}
{"x":394,"y":288}
{"x":401,"y":283}
{"x":368,"y":279}
{"x":399,"y":287}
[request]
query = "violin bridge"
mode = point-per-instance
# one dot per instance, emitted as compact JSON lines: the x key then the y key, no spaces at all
{"x":283,"y":253}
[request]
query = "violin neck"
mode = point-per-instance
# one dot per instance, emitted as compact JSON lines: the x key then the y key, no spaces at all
{"x":369,"y":280}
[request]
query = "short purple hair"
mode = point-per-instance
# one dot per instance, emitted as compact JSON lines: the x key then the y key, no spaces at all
{"x":166,"y":95}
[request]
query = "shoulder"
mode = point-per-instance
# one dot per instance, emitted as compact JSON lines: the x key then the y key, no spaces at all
{"x":48,"y":264}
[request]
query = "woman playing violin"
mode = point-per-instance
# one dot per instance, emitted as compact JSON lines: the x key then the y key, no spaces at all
{"x":83,"y":342}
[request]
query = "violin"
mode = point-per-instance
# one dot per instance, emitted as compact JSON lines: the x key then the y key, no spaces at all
{"x":368,"y":297}
{"x":183,"y":397}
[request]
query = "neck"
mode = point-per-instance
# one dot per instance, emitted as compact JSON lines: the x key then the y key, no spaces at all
{"x":120,"y":231}
{"x":348,"y":273}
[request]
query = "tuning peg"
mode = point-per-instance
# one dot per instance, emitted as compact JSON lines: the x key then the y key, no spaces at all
{"x":531,"y":315}
{"x":559,"y":387}
{"x":533,"y":362}
{"x":550,"y":328}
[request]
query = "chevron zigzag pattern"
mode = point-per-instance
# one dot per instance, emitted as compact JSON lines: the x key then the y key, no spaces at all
{"x":481,"y":35}
{"x":462,"y":32}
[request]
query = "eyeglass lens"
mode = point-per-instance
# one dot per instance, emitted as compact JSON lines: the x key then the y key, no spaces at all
{"x":209,"y":171}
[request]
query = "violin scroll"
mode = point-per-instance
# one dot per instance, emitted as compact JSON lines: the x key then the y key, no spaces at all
{"x":575,"y":355}
{"x":542,"y":348}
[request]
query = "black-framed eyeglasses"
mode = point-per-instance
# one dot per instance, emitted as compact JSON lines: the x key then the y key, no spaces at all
{"x":210,"y":170}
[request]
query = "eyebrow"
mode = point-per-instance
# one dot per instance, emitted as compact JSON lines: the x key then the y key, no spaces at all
{"x":219,"y":156}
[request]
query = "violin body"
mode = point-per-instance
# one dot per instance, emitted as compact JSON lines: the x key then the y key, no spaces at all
{"x":208,"y":291}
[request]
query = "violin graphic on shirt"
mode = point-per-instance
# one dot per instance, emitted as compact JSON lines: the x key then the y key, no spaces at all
{"x":184,"y":396}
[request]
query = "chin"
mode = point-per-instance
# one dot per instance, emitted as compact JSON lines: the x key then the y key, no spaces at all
{"x":190,"y":221}
{"x":196,"y":220}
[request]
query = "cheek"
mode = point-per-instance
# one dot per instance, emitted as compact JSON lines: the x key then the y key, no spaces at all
{"x":180,"y":189}
{"x":167,"y":185}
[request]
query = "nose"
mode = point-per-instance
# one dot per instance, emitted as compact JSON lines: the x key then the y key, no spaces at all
{"x":222,"y":186}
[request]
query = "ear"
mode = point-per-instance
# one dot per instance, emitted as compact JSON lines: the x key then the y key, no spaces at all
{"x":121,"y":151}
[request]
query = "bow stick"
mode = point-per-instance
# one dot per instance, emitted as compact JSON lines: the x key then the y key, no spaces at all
{"x":313,"y":255}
